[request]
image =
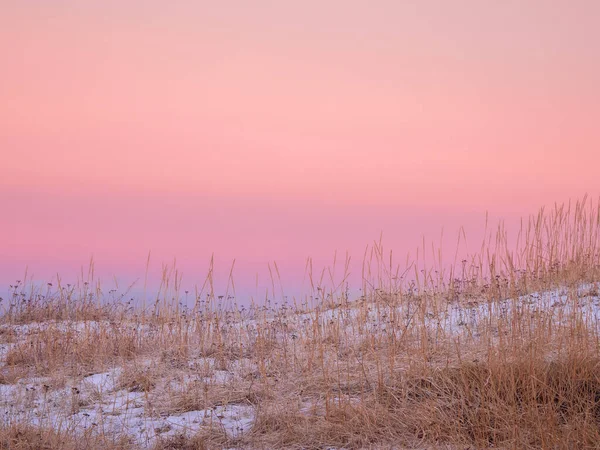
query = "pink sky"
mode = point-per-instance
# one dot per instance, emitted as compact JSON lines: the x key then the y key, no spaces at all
{"x":274,"y":131}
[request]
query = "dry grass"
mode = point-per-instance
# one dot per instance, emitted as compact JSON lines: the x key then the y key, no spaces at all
{"x":53,"y":349}
{"x":206,"y":439}
{"x":498,"y":404}
{"x":26,"y":437}
{"x":10,"y":375}
{"x":500,"y":350}
{"x":135,"y":378}
{"x":195,"y":396}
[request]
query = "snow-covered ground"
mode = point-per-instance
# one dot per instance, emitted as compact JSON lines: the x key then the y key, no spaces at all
{"x":98,"y":401}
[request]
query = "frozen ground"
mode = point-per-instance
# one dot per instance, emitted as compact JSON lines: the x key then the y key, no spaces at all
{"x":98,"y":401}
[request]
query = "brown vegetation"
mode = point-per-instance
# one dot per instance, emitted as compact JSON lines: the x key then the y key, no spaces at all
{"x":499,"y":351}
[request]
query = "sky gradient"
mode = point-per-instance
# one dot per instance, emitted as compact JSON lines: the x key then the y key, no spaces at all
{"x":276,"y":131}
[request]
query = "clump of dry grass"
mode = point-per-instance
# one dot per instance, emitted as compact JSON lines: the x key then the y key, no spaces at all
{"x":7,"y":335}
{"x":136,"y":378}
{"x":28,"y":437}
{"x":341,"y":425}
{"x":209,"y":437}
{"x":58,"y":302}
{"x":52,"y":349}
{"x":197,"y":395}
{"x":527,"y":403}
{"x":11,"y":374}
{"x":181,"y":442}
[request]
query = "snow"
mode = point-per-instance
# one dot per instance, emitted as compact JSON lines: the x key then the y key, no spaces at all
{"x":119,"y":411}
{"x":96,"y":400}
